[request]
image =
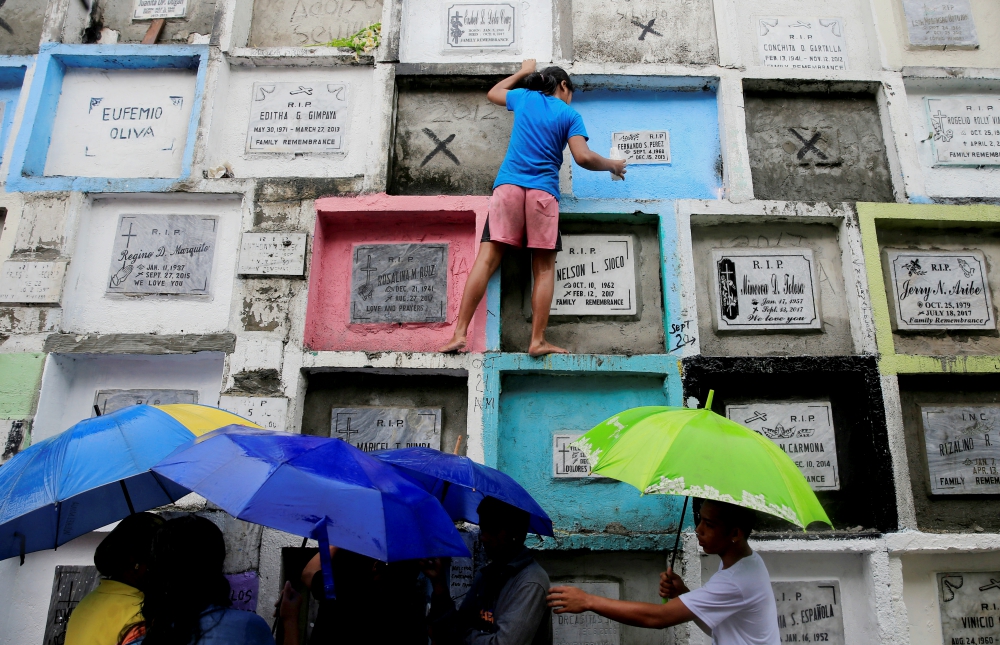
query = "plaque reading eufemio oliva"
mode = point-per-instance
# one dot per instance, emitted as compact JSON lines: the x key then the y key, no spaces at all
{"x":963,"y":447}
{"x":765,"y":289}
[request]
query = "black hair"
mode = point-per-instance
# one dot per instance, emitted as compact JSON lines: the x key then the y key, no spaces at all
{"x":128,"y":545}
{"x":733,"y":516}
{"x":548,"y":80}
{"x":506,"y":516}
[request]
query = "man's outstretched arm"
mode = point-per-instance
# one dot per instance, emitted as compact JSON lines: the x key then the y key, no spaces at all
{"x":639,"y":614}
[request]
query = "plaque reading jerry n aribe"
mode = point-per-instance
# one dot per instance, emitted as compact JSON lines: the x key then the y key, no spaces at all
{"x":809,"y":611}
{"x":383,"y":428}
{"x":963,"y":447}
{"x":298,"y":117}
{"x":595,"y":276}
{"x":399,"y":283}
{"x":765,"y":289}
{"x":940,"y":290}
{"x":970,"y":607}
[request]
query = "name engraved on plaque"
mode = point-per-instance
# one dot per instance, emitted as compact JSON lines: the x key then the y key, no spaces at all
{"x":568,"y":461}
{"x":31,"y":282}
{"x":463,"y":570}
{"x":595,"y":276}
{"x":802,"y":43}
{"x":940,"y":290}
{"x":802,"y":429}
{"x":965,"y":130}
{"x":272,"y":254}
{"x":939,"y":23}
{"x":375,"y":428}
{"x":481,"y":26}
{"x":969,"y":603}
{"x":267,"y":412}
{"x":153,"y":9}
{"x":963,"y":448}
{"x":809,"y":611}
{"x":163,"y":254}
{"x":765,"y":289}
{"x":108,"y":401}
{"x":69,"y":586}
{"x":399,"y":283}
{"x":298,"y":117}
{"x":641,"y":147}
{"x":588,"y":627}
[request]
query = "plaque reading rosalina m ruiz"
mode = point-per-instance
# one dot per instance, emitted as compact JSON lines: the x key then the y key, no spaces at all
{"x":399,"y":283}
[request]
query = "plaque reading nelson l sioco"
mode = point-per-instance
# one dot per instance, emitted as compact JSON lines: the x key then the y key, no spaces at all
{"x":588,"y":627}
{"x":940,"y":23}
{"x":108,"y":401}
{"x":480,"y":26}
{"x":765,"y":289}
{"x":399,"y":283}
{"x":31,"y":282}
{"x":802,"y":43}
{"x":163,"y":254}
{"x":595,"y":276}
{"x":970,"y":607}
{"x":376,"y":428}
{"x":802,"y":429}
{"x":964,"y":130}
{"x":940,"y":290}
{"x":298,"y":117}
{"x":963,"y":448}
{"x":272,"y":254}
{"x":809,"y":611}
{"x":568,"y":461}
{"x":642,"y":147}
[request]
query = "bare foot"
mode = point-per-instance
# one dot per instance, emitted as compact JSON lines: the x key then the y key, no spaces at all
{"x":545,"y":347}
{"x":455,"y":345}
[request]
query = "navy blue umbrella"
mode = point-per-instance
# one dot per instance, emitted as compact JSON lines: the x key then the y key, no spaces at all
{"x":461,"y":484}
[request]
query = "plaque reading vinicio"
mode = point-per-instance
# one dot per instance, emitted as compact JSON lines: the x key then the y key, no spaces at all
{"x":32,"y":282}
{"x":765,"y":289}
{"x":399,"y":283}
{"x":272,"y":254}
{"x":940,"y":23}
{"x":163,"y":254}
{"x":298,"y":117}
{"x":964,"y":130}
{"x":588,"y":627}
{"x":809,"y":611}
{"x":963,"y":448}
{"x":641,"y":147}
{"x":376,"y":428}
{"x":802,"y":429}
{"x":568,"y":461}
{"x":940,"y":289}
{"x":802,"y":43}
{"x":108,"y":401}
{"x":595,"y":276}
{"x":481,"y":26}
{"x":969,"y":603}
{"x":267,"y":412}
{"x":153,"y":9}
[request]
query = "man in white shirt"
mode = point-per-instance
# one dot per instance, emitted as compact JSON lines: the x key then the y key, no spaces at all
{"x":735,"y":607}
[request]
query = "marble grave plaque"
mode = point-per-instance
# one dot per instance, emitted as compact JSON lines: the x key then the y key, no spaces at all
{"x":108,"y":401}
{"x":641,"y":147}
{"x":298,"y":117}
{"x":267,"y":412}
{"x":964,"y":130}
{"x":588,"y":627}
{"x":809,"y":611}
{"x":273,"y":254}
{"x":153,"y":9}
{"x":69,"y":586}
{"x":765,"y":289}
{"x":463,"y":570}
{"x":243,"y":590}
{"x":802,"y":429}
{"x":568,"y":461}
{"x":399,"y":283}
{"x":491,"y":25}
{"x":31,"y":282}
{"x":595,"y":276}
{"x":802,"y":43}
{"x":969,"y":602}
{"x":962,"y":449}
{"x":300,"y":23}
{"x":940,"y":289}
{"x":379,"y":428}
{"x":940,"y":23}
{"x":163,"y":254}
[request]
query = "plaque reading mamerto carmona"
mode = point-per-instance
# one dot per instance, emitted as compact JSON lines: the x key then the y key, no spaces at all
{"x":163,"y":254}
{"x":490,"y":25}
{"x":809,"y":611}
{"x":940,"y":23}
{"x":964,"y":130}
{"x":378,"y":428}
{"x":940,"y":289}
{"x":969,"y":602}
{"x":765,"y":289}
{"x":963,"y":448}
{"x":587,"y":627}
{"x":399,"y":283}
{"x":298,"y":117}
{"x":595,"y":276}
{"x":802,"y":43}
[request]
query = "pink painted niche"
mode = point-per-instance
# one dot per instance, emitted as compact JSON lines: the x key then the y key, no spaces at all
{"x":343,"y":222}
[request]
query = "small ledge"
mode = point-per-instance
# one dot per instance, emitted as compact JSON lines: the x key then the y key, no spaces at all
{"x":139,"y":343}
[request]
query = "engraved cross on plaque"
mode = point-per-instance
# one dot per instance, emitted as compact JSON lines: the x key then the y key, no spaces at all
{"x":347,"y":432}
{"x":129,"y":235}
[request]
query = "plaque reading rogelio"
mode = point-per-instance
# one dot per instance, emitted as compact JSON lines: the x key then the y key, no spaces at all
{"x":163,"y":254}
{"x":765,"y":289}
{"x":940,"y":290}
{"x":963,"y":447}
{"x":376,"y":428}
{"x":399,"y":283}
{"x":809,"y":611}
{"x":970,"y":607}
{"x":965,"y":130}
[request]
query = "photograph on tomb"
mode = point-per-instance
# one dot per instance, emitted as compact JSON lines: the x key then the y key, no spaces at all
{"x":399,"y":283}
{"x":964,"y":130}
{"x":940,"y":290}
{"x":69,"y":586}
{"x":163,"y":254}
{"x":383,"y":428}
{"x":108,"y":401}
{"x":298,"y":118}
{"x":484,"y":25}
{"x":802,"y":43}
{"x":969,"y":602}
{"x":301,"y":23}
{"x":568,"y":461}
{"x":809,"y":611}
{"x":267,"y":412}
{"x":641,"y":147}
{"x":587,"y":627}
{"x":595,"y":276}
{"x":31,"y":282}
{"x":272,"y":254}
{"x":962,"y":449}
{"x":155,"y":9}
{"x":802,"y":429}
{"x":940,"y":23}
{"x":765,"y":289}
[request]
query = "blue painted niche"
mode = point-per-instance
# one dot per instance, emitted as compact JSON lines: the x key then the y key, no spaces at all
{"x":12,"y":71}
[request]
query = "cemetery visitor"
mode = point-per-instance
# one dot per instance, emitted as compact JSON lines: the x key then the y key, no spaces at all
{"x":506,"y":603}
{"x":735,"y":607}
{"x":524,"y":208}
{"x":122,"y":559}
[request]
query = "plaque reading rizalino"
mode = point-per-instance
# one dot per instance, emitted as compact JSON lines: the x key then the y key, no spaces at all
{"x":963,"y":447}
{"x":765,"y":289}
{"x":399,"y":283}
{"x":940,"y":290}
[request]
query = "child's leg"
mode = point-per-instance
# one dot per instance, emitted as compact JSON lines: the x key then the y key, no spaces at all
{"x":543,"y":268}
{"x":490,"y":254}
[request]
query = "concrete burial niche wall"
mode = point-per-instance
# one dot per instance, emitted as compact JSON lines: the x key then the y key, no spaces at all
{"x":12,"y":72}
{"x":338,"y":315}
{"x":297,"y":23}
{"x":957,"y":51}
{"x":822,"y":146}
{"x":640,"y":333}
{"x":866,"y":497}
{"x":24,"y":19}
{"x":120,"y":16}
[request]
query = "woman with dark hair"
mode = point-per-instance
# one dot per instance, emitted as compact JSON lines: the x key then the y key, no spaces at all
{"x":525,"y":201}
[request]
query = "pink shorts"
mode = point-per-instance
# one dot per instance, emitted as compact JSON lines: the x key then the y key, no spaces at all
{"x":518,"y":215}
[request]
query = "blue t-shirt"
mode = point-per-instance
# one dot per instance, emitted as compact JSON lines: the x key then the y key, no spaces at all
{"x":542,"y":126}
{"x":221,"y":626}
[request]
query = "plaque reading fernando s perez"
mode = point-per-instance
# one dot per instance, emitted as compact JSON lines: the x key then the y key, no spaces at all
{"x":399,"y":283}
{"x":963,"y":448}
{"x":765,"y":289}
{"x":163,"y":254}
{"x":970,"y":607}
{"x":595,"y":276}
{"x":298,"y":117}
{"x":940,"y":290}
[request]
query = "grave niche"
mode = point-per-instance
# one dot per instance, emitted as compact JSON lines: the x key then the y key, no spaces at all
{"x":298,"y":23}
{"x":132,"y":18}
{"x":24,"y":19}
{"x":816,"y":147}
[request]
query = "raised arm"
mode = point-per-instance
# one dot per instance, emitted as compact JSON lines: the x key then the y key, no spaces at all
{"x":590,"y":160}
{"x":498,"y":93}
{"x":639,"y":614}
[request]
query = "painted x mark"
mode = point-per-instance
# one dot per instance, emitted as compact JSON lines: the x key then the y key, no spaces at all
{"x":3,"y":23}
{"x":646,"y":28}
{"x":809,"y":145}
{"x":442,"y":147}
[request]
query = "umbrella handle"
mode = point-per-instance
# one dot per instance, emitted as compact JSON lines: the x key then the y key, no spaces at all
{"x":677,"y":540}
{"x":21,"y":539}
{"x":325,"y":563}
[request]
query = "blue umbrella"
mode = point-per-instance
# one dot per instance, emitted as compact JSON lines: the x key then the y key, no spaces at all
{"x":461,"y":484}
